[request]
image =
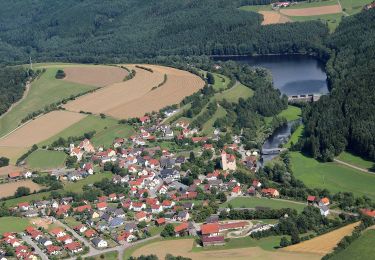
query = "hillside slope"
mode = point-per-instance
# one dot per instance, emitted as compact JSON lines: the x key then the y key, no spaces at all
{"x":97,"y":30}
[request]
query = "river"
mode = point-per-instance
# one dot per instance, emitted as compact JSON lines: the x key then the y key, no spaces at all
{"x":292,"y":74}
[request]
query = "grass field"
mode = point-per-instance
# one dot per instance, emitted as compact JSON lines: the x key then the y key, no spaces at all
{"x":355,"y":160}
{"x":44,"y":159}
{"x":71,"y":222}
{"x":107,"y":256}
{"x":208,"y":127}
{"x":295,"y":136}
{"x":106,"y":137}
{"x":221,"y":81}
{"x":332,"y":176}
{"x":353,"y":6}
{"x":315,"y":3}
{"x":252,"y":202}
{"x":291,"y":113}
{"x":332,"y":20}
{"x":44,"y":91}
{"x":13,"y":224}
{"x":362,"y":248}
{"x":88,"y":124}
{"x":235,"y":93}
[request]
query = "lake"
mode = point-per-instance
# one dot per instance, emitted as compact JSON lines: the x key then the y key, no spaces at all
{"x":292,"y":74}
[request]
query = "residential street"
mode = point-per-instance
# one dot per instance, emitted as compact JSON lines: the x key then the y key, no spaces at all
{"x":28,"y":240}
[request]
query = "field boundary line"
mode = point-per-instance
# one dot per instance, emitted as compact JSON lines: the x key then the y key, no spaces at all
{"x":353,"y":166}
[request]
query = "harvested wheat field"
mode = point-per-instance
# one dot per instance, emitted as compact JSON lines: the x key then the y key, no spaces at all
{"x":13,"y":153}
{"x":271,"y":17}
{"x":323,"y":244}
{"x":179,"y":85}
{"x":98,"y":76}
{"x":9,"y":189}
{"x":183,"y":247}
{"x":135,"y":97}
{"x":321,"y":10}
{"x":4,"y":171}
{"x":40,"y":129}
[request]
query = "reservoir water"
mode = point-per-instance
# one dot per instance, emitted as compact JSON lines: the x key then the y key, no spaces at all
{"x":292,"y":74}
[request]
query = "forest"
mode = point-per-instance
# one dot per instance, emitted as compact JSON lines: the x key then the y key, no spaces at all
{"x":12,"y":86}
{"x":92,"y":31}
{"x":345,"y":119}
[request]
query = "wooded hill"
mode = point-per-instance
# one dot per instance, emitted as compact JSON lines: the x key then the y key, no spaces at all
{"x":120,"y":30}
{"x":346,"y":118}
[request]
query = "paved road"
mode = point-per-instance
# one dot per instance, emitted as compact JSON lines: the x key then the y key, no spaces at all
{"x":28,"y":240}
{"x":353,"y":166}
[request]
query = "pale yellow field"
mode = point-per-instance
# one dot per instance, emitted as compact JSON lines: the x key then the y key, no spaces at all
{"x":321,"y":10}
{"x":98,"y":76}
{"x":133,"y":98}
{"x":272,"y":17}
{"x":183,"y":248}
{"x":4,"y":171}
{"x":40,"y":129}
{"x":324,"y":244}
{"x":13,"y":153}
{"x":9,"y":189}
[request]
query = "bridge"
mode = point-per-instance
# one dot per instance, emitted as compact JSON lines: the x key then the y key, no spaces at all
{"x":304,"y":98}
{"x":273,"y":151}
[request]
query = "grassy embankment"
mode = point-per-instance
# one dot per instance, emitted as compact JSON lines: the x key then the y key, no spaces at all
{"x":332,"y":176}
{"x":355,"y":160}
{"x":362,"y":248}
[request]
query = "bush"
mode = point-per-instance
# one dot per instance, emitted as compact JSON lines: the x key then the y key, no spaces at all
{"x":4,"y":161}
{"x":60,"y":74}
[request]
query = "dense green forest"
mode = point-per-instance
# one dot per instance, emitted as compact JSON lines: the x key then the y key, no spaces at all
{"x":345,"y":119}
{"x":120,"y":30}
{"x":12,"y":86}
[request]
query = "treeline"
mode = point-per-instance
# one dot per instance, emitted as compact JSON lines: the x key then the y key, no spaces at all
{"x":132,"y":30}
{"x":345,"y":119}
{"x":12,"y":85}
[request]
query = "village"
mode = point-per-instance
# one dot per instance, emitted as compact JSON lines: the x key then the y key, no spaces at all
{"x":152,"y":192}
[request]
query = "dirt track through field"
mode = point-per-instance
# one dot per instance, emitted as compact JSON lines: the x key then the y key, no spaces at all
{"x":183,"y":248}
{"x":9,"y":189}
{"x":324,"y":244}
{"x":272,"y":17}
{"x":98,"y":76}
{"x":40,"y":129}
{"x":133,"y":98}
{"x":321,"y":10}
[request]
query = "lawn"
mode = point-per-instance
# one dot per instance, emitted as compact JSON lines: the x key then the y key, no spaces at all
{"x":235,"y":93}
{"x":13,"y":224}
{"x":295,"y":136}
{"x":291,"y":113}
{"x":332,"y":176}
{"x":44,"y":91}
{"x":221,"y":82}
{"x":362,"y":248}
{"x":71,"y":222}
{"x":208,"y":127}
{"x":105,"y":138}
{"x":44,"y":159}
{"x":128,"y":252}
{"x":353,"y":6}
{"x":268,"y":243}
{"x":315,"y":3}
{"x":355,"y":160}
{"x":256,"y":8}
{"x":252,"y":202}
{"x":88,"y":124}
{"x":332,"y":20}
{"x":107,"y":256}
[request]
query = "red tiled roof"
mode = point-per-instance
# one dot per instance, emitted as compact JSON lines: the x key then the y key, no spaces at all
{"x":82,"y":208}
{"x":181,"y":227}
{"x":207,"y":239}
{"x":311,"y":198}
{"x":14,"y":174}
{"x":211,"y":228}
{"x":160,"y":221}
{"x":140,"y":215}
{"x":368,"y":212}
{"x":101,"y":205}
{"x":233,"y":225}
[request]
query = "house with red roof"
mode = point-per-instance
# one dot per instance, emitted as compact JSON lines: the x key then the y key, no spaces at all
{"x":144,"y":119}
{"x":81,"y":209}
{"x":368,"y":212}
{"x":141,"y":216}
{"x":102,"y":206}
{"x":125,"y":237}
{"x":65,"y":239}
{"x":270,"y":192}
{"x":14,"y":175}
{"x":58,"y":232}
{"x":324,"y":201}
{"x":160,"y":221}
{"x":210,"y":230}
{"x":23,"y":206}
{"x":311,"y":199}
{"x":74,"y":247}
{"x":137,"y":206}
{"x":53,"y":250}
{"x":80,"y":228}
{"x":90,"y":233}
{"x":236,"y":191}
{"x":181,"y":229}
{"x":213,"y":240}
